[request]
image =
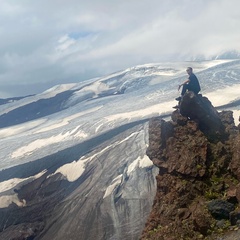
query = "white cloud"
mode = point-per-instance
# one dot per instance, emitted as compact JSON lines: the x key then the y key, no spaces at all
{"x":64,"y":43}
{"x":49,"y":42}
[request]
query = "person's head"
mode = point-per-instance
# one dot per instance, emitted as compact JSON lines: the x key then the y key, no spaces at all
{"x":189,"y":70}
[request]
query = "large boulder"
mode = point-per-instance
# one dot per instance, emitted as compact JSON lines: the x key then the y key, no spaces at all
{"x":200,"y":109}
{"x":220,"y":209}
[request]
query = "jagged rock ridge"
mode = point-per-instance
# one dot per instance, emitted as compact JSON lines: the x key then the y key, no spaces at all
{"x":198,"y":156}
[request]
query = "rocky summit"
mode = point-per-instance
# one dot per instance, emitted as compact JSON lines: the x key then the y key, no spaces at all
{"x":198,"y":189}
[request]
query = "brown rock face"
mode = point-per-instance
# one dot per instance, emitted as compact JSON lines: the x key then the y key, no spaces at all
{"x":235,"y":162}
{"x":183,"y":146}
{"x":198,"y":156}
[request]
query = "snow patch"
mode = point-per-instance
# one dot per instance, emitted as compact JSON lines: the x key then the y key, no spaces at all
{"x":141,"y":162}
{"x":145,"y":162}
{"x":224,"y":96}
{"x":67,"y":120}
{"x":115,"y":182}
{"x":154,"y":110}
{"x":51,"y":92}
{"x":17,"y":129}
{"x":87,"y":92}
{"x":40,"y":143}
{"x":12,"y":183}
{"x":125,"y":139}
{"x":72,"y":171}
{"x":236,"y":116}
{"x":15,"y":183}
{"x":97,"y":87}
{"x":133,"y":166}
{"x":5,"y":201}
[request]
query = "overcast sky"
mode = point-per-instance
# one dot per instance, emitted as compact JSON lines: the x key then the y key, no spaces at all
{"x":48,"y":42}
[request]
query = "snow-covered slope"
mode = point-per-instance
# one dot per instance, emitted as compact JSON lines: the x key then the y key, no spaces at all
{"x":77,"y":151}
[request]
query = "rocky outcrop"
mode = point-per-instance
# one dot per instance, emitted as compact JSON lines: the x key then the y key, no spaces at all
{"x":198,"y":156}
{"x":200,"y":109}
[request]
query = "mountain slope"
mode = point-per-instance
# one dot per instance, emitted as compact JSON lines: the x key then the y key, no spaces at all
{"x":73,"y":158}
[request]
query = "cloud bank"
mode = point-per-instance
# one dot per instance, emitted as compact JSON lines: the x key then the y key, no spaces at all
{"x":44,"y":43}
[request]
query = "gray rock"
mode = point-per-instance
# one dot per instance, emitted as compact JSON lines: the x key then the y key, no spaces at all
{"x":235,"y":217}
{"x":221,"y":223}
{"x":220,"y":209}
{"x":197,"y":107}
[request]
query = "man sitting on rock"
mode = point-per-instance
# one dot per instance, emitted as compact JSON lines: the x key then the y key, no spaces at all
{"x":191,"y":84}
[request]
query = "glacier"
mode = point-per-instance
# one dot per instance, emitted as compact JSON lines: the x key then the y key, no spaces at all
{"x":73,"y":159}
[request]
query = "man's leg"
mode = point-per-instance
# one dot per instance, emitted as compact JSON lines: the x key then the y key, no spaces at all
{"x":184,"y":89}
